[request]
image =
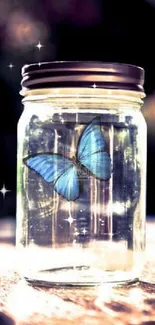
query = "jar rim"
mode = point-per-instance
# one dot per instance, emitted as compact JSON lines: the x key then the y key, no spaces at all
{"x":107,"y":75}
{"x":82,"y":95}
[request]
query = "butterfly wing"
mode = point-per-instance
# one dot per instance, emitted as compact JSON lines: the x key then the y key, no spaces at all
{"x":91,"y":140}
{"x":67,"y":185}
{"x":59,"y":170}
{"x":91,"y":151}
{"x":48,"y":166}
{"x":99,"y":164}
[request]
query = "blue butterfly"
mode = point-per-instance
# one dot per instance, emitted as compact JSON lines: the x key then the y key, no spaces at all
{"x":64,"y":173}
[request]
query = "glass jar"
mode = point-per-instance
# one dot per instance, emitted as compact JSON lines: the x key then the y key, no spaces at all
{"x":81,"y":180}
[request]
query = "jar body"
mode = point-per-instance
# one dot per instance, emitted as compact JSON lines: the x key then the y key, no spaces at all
{"x":81,"y":191}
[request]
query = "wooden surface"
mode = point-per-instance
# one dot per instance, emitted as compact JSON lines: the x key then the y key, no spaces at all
{"x":22,"y":304}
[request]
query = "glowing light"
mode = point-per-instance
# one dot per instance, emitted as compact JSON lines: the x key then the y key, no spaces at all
{"x":84,"y":231}
{"x":104,"y":294}
{"x":135,"y":295}
{"x":118,"y":208}
{"x":70,"y":220}
{"x":94,"y":85}
{"x":11,"y":66}
{"x":8,"y":256}
{"x":76,"y":233}
{"x":24,"y":302}
{"x":4,"y":191}
{"x":39,"y":46}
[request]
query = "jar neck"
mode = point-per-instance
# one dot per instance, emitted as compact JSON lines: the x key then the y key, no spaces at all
{"x":92,"y":96}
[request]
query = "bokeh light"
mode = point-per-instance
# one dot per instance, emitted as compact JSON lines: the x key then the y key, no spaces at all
{"x":23,"y":30}
{"x":149,"y":114}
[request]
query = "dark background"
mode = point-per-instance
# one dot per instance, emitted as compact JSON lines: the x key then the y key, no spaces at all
{"x":106,"y":30}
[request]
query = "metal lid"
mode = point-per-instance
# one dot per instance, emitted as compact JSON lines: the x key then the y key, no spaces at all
{"x":82,"y":74}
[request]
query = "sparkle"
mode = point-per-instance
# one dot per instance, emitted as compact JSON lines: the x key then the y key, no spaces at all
{"x":39,"y":64}
{"x":94,"y":85}
{"x":4,"y":191}
{"x":70,"y":220}
{"x":11,"y":66}
{"x":39,"y":46}
{"x":84,"y":231}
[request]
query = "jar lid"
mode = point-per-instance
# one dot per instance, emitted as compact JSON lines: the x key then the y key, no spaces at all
{"x":82,"y":74}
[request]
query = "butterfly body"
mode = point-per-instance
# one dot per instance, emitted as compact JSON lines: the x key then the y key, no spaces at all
{"x":81,"y":169}
{"x":75,"y":161}
{"x":65,"y":174}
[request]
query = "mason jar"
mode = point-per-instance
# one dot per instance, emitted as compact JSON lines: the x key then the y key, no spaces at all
{"x":81,"y":174}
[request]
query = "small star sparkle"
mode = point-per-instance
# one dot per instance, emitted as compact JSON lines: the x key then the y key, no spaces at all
{"x":11,"y":66}
{"x":84,"y":231}
{"x":4,"y":191}
{"x":39,"y":46}
{"x":70,"y":220}
{"x":94,"y":85}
